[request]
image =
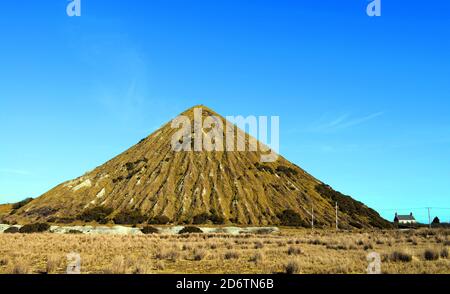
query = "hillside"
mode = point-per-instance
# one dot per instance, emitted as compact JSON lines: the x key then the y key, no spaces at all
{"x":151,"y":182}
{"x":5,"y":209}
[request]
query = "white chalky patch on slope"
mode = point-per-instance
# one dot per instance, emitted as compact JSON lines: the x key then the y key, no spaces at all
{"x":69,"y":184}
{"x":131,"y":201}
{"x":104,"y":176}
{"x":101,"y":193}
{"x":138,"y":182}
{"x":84,"y":184}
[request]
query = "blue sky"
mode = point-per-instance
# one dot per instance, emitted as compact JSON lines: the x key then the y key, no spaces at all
{"x":364,"y":103}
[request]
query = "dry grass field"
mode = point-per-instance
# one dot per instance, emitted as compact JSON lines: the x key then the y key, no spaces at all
{"x":292,"y":251}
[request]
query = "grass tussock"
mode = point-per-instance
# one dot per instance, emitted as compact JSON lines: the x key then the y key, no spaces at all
{"x":231,"y":255}
{"x":199,"y":254}
{"x":257,"y":258}
{"x":400,"y":256}
{"x":431,"y":254}
{"x":292,"y":267}
{"x":294,"y":251}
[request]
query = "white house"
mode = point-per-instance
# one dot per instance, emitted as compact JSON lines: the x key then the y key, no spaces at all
{"x":404,"y":219}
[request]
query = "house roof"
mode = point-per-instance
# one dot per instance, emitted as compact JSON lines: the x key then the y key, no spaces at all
{"x":405,"y":217}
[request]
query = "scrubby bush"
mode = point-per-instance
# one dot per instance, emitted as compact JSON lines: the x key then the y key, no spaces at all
{"x":231,"y":255}
{"x":11,"y":230}
{"x":159,"y":220}
{"x":34,"y":228}
{"x":259,"y":244}
{"x":168,"y":254}
{"x":262,"y":167}
{"x":431,"y":254}
{"x":294,"y":251}
{"x":400,"y":256}
{"x":292,"y":267}
{"x":444,"y":252}
{"x":65,"y":220}
{"x":263,"y":231}
{"x":368,"y":246}
{"x":258,"y":257}
{"x":74,"y":232}
{"x":61,"y":220}
{"x":215,"y":218}
{"x":203,"y":218}
{"x":200,"y":218}
{"x":22,"y":203}
{"x":291,"y":218}
{"x":286,"y":170}
{"x":98,"y":214}
{"x":149,"y":230}
{"x":189,"y":230}
{"x":199,"y":254}
{"x":129,"y":218}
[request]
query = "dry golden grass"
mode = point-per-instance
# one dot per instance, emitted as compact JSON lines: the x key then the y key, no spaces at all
{"x":293,"y":251}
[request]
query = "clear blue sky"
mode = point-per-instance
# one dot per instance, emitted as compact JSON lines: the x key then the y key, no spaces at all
{"x":364,"y":103}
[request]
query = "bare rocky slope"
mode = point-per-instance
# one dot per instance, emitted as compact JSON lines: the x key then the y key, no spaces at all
{"x":153,"y":183}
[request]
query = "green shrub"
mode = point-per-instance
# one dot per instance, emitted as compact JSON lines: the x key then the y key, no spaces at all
{"x":129,"y":218}
{"x":98,"y":214}
{"x":159,"y":220}
{"x":200,"y":219}
{"x":291,"y":218}
{"x":216,"y":219}
{"x":262,"y":167}
{"x":22,"y":203}
{"x":149,"y":230}
{"x":205,"y":217}
{"x":11,"y":230}
{"x":189,"y":230}
{"x":42,"y":211}
{"x":34,"y":228}
{"x":286,"y":170}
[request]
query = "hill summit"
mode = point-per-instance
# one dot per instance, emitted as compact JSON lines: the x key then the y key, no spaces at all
{"x":150,"y":182}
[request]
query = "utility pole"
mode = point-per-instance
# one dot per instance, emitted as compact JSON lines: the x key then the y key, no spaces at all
{"x":337,"y":221}
{"x":429,"y":217}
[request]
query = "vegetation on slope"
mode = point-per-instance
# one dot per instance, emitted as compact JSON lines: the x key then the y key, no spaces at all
{"x":358,"y":212}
